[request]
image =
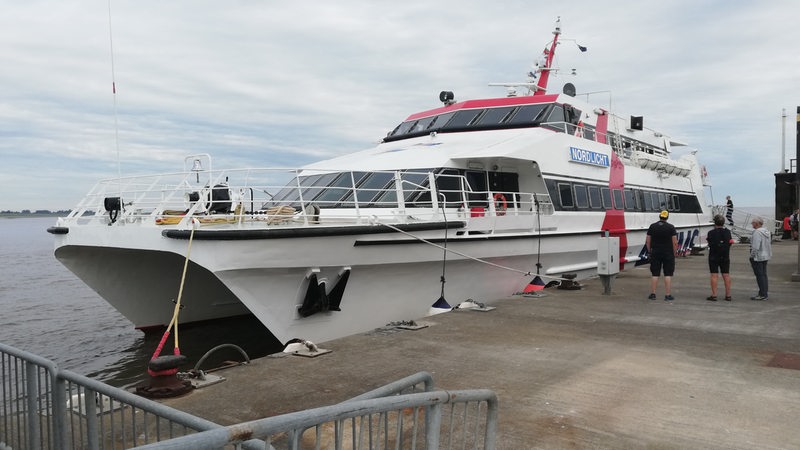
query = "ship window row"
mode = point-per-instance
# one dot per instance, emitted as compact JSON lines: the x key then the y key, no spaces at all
{"x":577,"y":196}
{"x":483,"y":119}
{"x":456,"y":188}
{"x":560,"y":118}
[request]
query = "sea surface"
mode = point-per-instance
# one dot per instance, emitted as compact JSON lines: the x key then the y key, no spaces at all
{"x":48,"y":311}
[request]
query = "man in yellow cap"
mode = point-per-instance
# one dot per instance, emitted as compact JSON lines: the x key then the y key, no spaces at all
{"x":662,"y":246}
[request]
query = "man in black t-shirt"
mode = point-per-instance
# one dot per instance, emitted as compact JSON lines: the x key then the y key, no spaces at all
{"x":662,"y":246}
{"x":719,"y":257}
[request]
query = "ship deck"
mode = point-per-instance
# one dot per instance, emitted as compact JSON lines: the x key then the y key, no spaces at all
{"x":576,"y":369}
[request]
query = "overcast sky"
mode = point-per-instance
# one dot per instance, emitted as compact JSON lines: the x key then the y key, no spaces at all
{"x":287,"y":83}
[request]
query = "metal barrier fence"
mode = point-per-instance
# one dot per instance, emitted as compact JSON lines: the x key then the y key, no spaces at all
{"x":429,"y":420}
{"x":43,"y":407}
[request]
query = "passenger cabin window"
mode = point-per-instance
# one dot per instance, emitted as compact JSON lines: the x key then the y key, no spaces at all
{"x":581,"y":196}
{"x":479,"y":187}
{"x":337,"y":190}
{"x":411,"y":183}
{"x":630,"y":202}
{"x":662,"y":201}
{"x":617,"y":198}
{"x":565,"y":195}
{"x":370,"y":188}
{"x":594,"y":197}
{"x":606,"y":198}
{"x":648,"y":204}
{"x":449,"y":183}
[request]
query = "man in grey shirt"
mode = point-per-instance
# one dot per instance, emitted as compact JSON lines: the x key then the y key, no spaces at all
{"x":760,"y":253}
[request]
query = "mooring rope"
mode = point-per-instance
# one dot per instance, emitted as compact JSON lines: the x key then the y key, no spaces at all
{"x":176,"y":311}
{"x":522,"y":272}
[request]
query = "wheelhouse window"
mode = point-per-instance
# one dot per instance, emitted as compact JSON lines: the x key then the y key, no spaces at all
{"x":476,"y":119}
{"x":463,"y":119}
{"x":421,"y":124}
{"x":556,"y":114}
{"x":441,"y":120}
{"x":402,"y":128}
{"x":495,"y":116}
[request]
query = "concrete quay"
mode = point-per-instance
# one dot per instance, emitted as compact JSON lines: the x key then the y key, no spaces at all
{"x":577,"y":369}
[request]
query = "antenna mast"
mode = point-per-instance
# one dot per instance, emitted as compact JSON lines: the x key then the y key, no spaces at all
{"x":541,"y":86}
{"x":114,"y":96}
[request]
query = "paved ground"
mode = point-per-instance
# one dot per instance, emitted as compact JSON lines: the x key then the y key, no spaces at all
{"x":576,"y":369}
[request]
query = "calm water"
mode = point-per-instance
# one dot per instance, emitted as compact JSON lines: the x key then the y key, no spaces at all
{"x":48,"y":311}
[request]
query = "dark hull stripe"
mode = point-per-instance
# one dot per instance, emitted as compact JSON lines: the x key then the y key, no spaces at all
{"x":495,"y":237}
{"x":305,"y":232}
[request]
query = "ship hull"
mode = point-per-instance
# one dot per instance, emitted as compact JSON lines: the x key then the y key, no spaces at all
{"x":392,"y":277}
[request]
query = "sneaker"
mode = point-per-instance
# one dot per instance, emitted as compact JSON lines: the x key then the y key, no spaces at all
{"x":728,"y":298}
{"x":758,"y":297}
{"x":669,"y":298}
{"x":652,"y":296}
{"x":712,"y":298}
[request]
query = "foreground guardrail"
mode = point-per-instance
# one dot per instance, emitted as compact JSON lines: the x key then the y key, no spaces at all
{"x":454,"y":419}
{"x":43,"y":407}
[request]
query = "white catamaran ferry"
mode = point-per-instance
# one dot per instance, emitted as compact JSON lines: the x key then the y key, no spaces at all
{"x":469,"y":200}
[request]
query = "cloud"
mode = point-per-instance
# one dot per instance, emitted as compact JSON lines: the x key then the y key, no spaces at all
{"x":286,"y":83}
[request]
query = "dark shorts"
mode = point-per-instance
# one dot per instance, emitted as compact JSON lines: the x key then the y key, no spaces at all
{"x":719,"y":265}
{"x":659,"y":261}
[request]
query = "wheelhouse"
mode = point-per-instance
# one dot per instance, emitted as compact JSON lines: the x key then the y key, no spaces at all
{"x":512,"y":112}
